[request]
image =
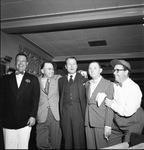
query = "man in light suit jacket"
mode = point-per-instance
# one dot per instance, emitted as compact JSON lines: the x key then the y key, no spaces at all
{"x":72,"y":106}
{"x":20,"y":97}
{"x":99,"y":118}
{"x":48,"y":128}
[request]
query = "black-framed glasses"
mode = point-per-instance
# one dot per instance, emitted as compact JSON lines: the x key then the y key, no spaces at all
{"x":118,"y":70}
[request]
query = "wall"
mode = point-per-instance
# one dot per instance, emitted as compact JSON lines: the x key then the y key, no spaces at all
{"x":10,"y":47}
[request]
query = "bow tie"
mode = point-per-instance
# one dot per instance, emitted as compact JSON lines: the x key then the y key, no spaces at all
{"x":118,"y":83}
{"x":17,"y":73}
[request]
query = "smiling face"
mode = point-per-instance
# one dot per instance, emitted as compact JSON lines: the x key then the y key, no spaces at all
{"x":48,"y":70}
{"x":21,"y":63}
{"x":71,"y":65}
{"x":120,"y":73}
{"x":94,"y":70}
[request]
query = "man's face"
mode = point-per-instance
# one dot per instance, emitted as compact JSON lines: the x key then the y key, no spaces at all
{"x":94,"y":70}
{"x":21,"y":63}
{"x":71,"y":65}
{"x":120,"y":73}
{"x":48,"y":70}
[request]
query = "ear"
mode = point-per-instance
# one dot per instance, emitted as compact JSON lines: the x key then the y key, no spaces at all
{"x":66,"y":66}
{"x":126,"y":72}
{"x":42,"y":71}
{"x":101,"y":70}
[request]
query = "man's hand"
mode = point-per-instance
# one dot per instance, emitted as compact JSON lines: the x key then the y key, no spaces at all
{"x":31,"y":121}
{"x":83,"y":73}
{"x":107,"y":132}
{"x":108,"y":102}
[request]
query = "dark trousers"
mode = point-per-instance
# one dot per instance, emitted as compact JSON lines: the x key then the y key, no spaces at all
{"x":133,"y":124}
{"x":73,"y":127}
{"x":1,"y":137}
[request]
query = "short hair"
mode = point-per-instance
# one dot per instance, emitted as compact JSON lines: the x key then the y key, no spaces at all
{"x":71,"y":57}
{"x":97,"y":63}
{"x":129,"y":71}
{"x":42,"y":65}
{"x":21,"y":54}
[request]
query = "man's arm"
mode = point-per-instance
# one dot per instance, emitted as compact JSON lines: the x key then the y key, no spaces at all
{"x":35,"y":101}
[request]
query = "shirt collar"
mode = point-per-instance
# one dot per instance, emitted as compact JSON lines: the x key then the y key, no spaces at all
{"x":72,"y":75}
{"x":126,"y":81}
{"x":19,"y":73}
{"x":95,"y":81}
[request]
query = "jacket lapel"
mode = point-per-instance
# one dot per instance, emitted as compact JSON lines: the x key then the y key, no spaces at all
{"x":24,"y":83}
{"x":41,"y":85}
{"x":97,"y":89}
{"x":13,"y":83}
{"x":88,"y":90}
{"x":64,"y":81}
{"x":52,"y":84}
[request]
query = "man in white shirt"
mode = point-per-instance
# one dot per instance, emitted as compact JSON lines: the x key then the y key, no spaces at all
{"x":20,"y":92}
{"x":129,"y":115}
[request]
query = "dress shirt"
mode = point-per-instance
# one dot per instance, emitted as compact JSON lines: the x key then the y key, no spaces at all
{"x":19,"y":79}
{"x":93,"y":85}
{"x":127,"y":99}
{"x":43,"y":81}
{"x":73,"y":76}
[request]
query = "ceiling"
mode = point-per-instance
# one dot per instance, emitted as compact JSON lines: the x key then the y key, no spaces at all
{"x":61,"y":28}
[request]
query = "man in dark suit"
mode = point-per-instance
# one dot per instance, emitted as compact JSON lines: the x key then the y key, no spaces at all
{"x":20,"y":97}
{"x":72,"y":106}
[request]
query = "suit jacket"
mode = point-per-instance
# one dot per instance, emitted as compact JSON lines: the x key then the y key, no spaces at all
{"x":51,"y":100}
{"x":19,"y":104}
{"x":99,"y":116}
{"x":81,"y":80}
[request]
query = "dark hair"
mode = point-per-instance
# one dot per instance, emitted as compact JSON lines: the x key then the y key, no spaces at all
{"x":71,"y":57}
{"x":21,"y":54}
{"x":42,"y":65}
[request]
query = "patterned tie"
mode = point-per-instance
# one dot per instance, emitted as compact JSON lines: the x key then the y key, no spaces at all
{"x":46,"y":89}
{"x":118,"y":83}
{"x":71,"y":80}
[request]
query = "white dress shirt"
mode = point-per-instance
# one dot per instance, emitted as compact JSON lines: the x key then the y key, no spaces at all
{"x":19,"y":79}
{"x":127,"y":99}
{"x":73,"y":76}
{"x":93,"y":85}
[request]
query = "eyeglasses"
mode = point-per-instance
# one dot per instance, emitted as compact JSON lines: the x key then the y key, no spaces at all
{"x":118,"y":70}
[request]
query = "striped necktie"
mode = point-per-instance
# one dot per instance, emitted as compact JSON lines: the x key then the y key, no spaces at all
{"x":46,"y":89}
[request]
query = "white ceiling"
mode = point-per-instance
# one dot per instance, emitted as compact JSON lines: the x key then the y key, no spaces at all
{"x":63,"y":28}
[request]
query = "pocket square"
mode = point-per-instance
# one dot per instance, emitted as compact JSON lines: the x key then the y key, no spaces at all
{"x":100,"y":97}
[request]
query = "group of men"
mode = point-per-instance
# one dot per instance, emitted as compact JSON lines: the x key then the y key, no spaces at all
{"x":71,"y":111}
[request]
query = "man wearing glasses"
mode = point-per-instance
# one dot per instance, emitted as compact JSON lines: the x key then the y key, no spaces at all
{"x":129,"y":115}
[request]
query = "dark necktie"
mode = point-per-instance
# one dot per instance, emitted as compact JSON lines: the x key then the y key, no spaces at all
{"x":71,"y":80}
{"x":46,"y":89}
